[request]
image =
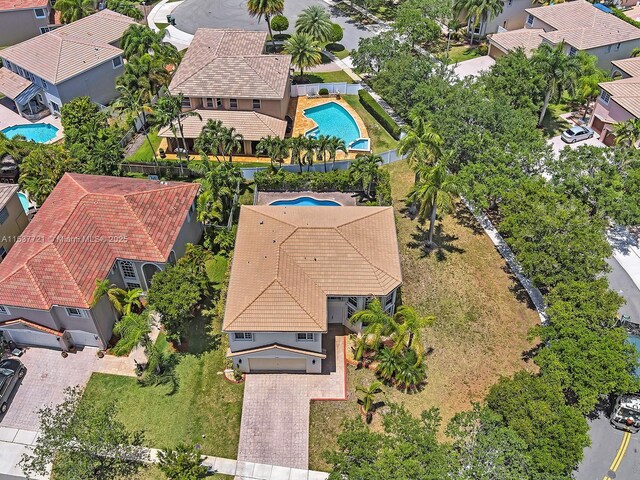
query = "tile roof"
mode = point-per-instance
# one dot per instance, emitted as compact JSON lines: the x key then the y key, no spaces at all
{"x":289,"y":259}
{"x":27,"y":323}
{"x":526,"y":38}
{"x":630,"y":66}
{"x":6,"y":192}
{"x":276,"y":346}
{"x":583,"y":26}
{"x":85,"y":224}
{"x":626,"y":93}
{"x":251,"y":125}
{"x":231,"y":63}
{"x":6,"y":5}
{"x":12,"y":84}
{"x":71,"y":49}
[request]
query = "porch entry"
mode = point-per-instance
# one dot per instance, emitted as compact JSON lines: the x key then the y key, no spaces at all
{"x":337,"y":310}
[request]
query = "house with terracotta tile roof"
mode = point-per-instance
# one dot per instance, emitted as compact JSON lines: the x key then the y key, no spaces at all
{"x":89,"y":228}
{"x":296,"y":272}
{"x":13,"y":218}
{"x":21,"y":20}
{"x":578,"y":25}
{"x":226,"y":75}
{"x":82,"y":58}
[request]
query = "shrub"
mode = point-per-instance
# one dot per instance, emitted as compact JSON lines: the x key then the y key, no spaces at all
{"x":483,"y":49}
{"x":323,"y":91}
{"x":279,"y":23}
{"x":371,"y":106}
{"x":336,"y":33}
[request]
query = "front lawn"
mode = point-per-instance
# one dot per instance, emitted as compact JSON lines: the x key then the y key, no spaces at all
{"x":481,"y":324}
{"x":462,"y":52}
{"x":552,"y":124}
{"x":381,"y":139}
{"x":323,"y":77}
{"x":205,"y":409}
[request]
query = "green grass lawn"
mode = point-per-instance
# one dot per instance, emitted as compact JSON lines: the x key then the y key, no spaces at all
{"x":381,"y":139}
{"x":206,"y":409}
{"x":162,"y":25}
{"x":144,"y":153}
{"x":462,"y":53}
{"x":338,"y":50}
{"x":552,"y":124}
{"x":324,"y":77}
{"x":154,"y":473}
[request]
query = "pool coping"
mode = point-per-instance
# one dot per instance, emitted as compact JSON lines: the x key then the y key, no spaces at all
{"x":353,"y":117}
{"x":344,"y":199}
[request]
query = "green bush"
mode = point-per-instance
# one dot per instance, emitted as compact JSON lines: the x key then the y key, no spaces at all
{"x":336,"y":33}
{"x":620,"y":14}
{"x":379,"y":114}
{"x":483,"y":49}
{"x":323,"y":91}
{"x":279,"y":23}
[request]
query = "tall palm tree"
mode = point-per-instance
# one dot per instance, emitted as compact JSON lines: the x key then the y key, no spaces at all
{"x":168,"y":111}
{"x":297,"y":146}
{"x":316,"y":22}
{"x":410,"y":327}
{"x":421,"y":144}
{"x":478,"y":12}
{"x":559,"y":72}
{"x":376,"y":322}
{"x":627,"y":133}
{"x":146,"y":73}
{"x":72,"y":10}
{"x":321,"y":147}
{"x":112,"y":291}
{"x":230,"y":142}
{"x":138,"y":40}
{"x":133,"y":329}
{"x":367,"y":400}
{"x":335,"y":144}
{"x":275,"y":147}
{"x":434,"y":190}
{"x":309,"y":152}
{"x":304,"y":51}
{"x":266,"y":9}
{"x":208,"y":142}
{"x":365,"y":170}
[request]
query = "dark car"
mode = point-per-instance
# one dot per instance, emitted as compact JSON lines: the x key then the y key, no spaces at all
{"x":11,"y":371}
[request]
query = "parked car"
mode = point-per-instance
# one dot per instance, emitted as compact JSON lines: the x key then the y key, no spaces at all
{"x":11,"y":371}
{"x":576,"y":134}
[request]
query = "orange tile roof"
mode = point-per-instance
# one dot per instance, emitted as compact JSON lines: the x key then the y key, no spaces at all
{"x":6,"y":5}
{"x":276,"y":346}
{"x":289,"y":259}
{"x":86,"y":224}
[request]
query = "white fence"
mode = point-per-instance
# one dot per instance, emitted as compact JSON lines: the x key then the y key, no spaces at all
{"x":312,"y":89}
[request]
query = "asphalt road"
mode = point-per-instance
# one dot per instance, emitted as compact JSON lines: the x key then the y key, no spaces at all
{"x":193,"y":14}
{"x":620,"y":281}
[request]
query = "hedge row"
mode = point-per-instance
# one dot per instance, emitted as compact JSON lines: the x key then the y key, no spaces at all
{"x":371,"y":106}
{"x":620,"y":14}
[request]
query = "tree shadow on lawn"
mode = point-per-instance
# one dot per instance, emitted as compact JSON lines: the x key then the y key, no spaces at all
{"x":443,"y":242}
{"x":201,"y":336}
{"x":516,"y":287}
{"x":465,"y":218}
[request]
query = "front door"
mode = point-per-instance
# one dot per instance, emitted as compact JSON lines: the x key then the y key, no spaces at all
{"x":337,"y":310}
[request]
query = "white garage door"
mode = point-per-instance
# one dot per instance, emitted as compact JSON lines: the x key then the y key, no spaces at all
{"x":33,"y":337}
{"x":84,"y":339}
{"x":278,"y":364}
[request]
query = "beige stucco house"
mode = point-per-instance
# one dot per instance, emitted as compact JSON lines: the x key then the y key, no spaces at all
{"x":91,"y":227}
{"x":581,"y":26}
{"x":78,"y":59}
{"x":513,"y":16}
{"x":13,"y":218}
{"x":21,"y":20}
{"x":299,"y":270}
{"x":226,"y":75}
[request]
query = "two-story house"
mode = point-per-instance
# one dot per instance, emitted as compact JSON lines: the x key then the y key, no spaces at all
{"x":578,"y":25}
{"x":21,"y":20}
{"x":225,"y":75}
{"x":513,"y":16}
{"x":78,"y":59}
{"x":13,"y":218}
{"x":91,"y":228}
{"x":299,"y":270}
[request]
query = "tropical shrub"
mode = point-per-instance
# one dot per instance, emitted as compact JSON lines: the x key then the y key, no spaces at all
{"x":181,"y":463}
{"x":337,"y":33}
{"x":323,"y":91}
{"x":280,"y":23}
{"x":379,"y":114}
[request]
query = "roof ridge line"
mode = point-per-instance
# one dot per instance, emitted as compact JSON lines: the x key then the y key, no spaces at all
{"x":258,"y":73}
{"x":144,"y":228}
{"x":295,"y":299}
{"x":251,"y":302}
{"x":33,"y":278}
{"x":66,"y":267}
{"x":259,"y":117}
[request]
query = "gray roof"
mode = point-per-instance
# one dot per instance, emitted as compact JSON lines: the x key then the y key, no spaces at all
{"x":6,"y":192}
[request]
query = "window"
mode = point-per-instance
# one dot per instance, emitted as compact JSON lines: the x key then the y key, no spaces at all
{"x":3,"y":253}
{"x":192,"y":210}
{"x":54,"y":105}
{"x":388,"y":302}
{"x":44,"y":30}
{"x":4,"y":310}
{"x":186,"y":102}
{"x":218,"y":103}
{"x":128,"y":270}
{"x":352,"y":306}
{"x":233,"y":103}
{"x":530,"y":20}
{"x":4,"y":214}
{"x":74,"y":312}
{"x":40,"y":12}
{"x":256,"y":104}
{"x":573,"y":51}
{"x":305,"y":337}
{"x":45,"y":85}
{"x":243,"y":336}
{"x":117,"y":62}
{"x":209,"y":102}
{"x":605,"y":97}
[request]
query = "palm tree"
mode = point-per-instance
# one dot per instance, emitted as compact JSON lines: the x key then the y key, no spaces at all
{"x":368,"y":397}
{"x":315,"y":22}
{"x":559,"y":72}
{"x":421,"y":144}
{"x":365,"y":170}
{"x":478,"y":12}
{"x":208,"y":142}
{"x":335,"y":144}
{"x":297,"y":145}
{"x":72,"y":10}
{"x":304,"y":51}
{"x":138,"y":40}
{"x":112,"y":291}
{"x":321,"y":147}
{"x":434,"y":190}
{"x":409,"y":333}
{"x":132,"y":105}
{"x":125,"y":7}
{"x":168,"y":111}
{"x":627,"y":133}
{"x":309,"y":152}
{"x":635,"y":52}
{"x":388,"y":363}
{"x":266,"y":9}
{"x":133,"y":330}
{"x":275,"y":147}
{"x":131,"y":301}
{"x":146,"y":73}
{"x":376,"y":322}
{"x":230,"y":141}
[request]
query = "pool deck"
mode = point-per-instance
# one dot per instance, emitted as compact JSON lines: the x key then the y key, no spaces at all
{"x":9,"y":118}
{"x":345,"y":199}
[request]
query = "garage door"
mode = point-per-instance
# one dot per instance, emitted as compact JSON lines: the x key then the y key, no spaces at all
{"x":33,"y":337}
{"x":85,"y":339}
{"x":278,"y":364}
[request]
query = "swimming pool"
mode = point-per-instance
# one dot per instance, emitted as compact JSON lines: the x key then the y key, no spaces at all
{"x":37,"y":132}
{"x":24,"y":201}
{"x":635,"y":341}
{"x":305,"y":202}
{"x":333,"y":121}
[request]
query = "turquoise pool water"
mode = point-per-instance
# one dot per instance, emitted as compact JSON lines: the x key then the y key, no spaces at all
{"x":635,"y":340}
{"x":37,"y":132}
{"x":305,"y":202}
{"x":360,"y":144}
{"x":334,"y":121}
{"x":23,"y":201}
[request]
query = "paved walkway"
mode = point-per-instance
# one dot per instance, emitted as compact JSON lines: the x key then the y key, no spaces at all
{"x":275,"y":411}
{"x":473,"y":67}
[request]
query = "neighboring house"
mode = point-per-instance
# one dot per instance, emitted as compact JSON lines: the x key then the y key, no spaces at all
{"x":581,"y":26}
{"x":13,"y":219}
{"x":91,"y":227}
{"x":298,"y":270}
{"x":225,"y":75}
{"x":619,"y":100}
{"x":21,"y":20}
{"x":513,"y":16}
{"x":78,"y":59}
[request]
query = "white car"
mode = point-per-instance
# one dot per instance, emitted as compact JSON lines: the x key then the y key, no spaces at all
{"x":576,"y":134}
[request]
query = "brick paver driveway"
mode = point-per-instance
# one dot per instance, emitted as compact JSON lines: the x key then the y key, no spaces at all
{"x":275,"y":410}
